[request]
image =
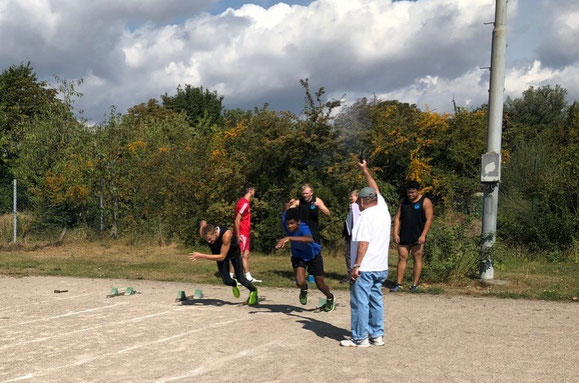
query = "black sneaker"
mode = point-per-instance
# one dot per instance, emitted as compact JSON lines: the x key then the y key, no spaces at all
{"x":397,"y":287}
{"x":304,"y":296}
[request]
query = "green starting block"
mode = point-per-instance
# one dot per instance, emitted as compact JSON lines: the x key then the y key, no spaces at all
{"x":321,"y":303}
{"x":181,"y":296}
{"x":115,"y":292}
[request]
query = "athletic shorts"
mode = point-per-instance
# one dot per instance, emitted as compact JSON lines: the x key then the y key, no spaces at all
{"x":408,"y":244}
{"x":314,"y":267}
{"x":244,"y":243}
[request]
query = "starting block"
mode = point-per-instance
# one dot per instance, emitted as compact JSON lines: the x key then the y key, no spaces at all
{"x":115,"y":292}
{"x":181,"y":296}
{"x":321,"y":303}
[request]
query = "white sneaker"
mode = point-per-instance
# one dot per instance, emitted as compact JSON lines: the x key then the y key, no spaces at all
{"x":378,"y":341}
{"x":355,"y":343}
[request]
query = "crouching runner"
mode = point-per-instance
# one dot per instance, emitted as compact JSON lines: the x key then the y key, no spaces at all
{"x":225,"y":250}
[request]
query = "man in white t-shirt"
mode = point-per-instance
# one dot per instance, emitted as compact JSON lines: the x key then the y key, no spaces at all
{"x":372,"y":233}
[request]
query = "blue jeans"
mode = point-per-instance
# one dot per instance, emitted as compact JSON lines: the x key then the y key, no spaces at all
{"x":366,"y":307}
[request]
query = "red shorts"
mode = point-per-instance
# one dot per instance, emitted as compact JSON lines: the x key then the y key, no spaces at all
{"x":244,"y":243}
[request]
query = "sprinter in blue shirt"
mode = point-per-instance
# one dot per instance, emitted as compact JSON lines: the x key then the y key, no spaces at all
{"x":306,"y":255}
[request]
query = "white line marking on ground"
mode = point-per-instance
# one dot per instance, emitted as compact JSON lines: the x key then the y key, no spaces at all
{"x":200,"y":370}
{"x":108,"y":355}
{"x":11,"y":308}
{"x":38,"y":340}
{"x":29,"y":376}
{"x":71,"y":297}
{"x":74,"y":313}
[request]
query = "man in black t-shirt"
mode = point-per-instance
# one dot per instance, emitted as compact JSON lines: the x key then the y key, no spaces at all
{"x":411,"y":225}
{"x":225,"y":249}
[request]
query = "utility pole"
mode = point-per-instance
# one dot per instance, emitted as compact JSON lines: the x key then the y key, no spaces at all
{"x":491,"y":160}
{"x":15,"y":205}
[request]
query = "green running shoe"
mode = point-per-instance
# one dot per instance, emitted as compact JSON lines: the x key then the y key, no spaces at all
{"x":236,"y":292}
{"x":252,"y":298}
{"x":304,"y":296}
{"x":330,"y":304}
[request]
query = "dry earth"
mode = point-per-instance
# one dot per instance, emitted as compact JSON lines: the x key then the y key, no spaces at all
{"x":81,"y":336}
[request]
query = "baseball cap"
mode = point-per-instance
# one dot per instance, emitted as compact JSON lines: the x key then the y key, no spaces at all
{"x":367,"y":192}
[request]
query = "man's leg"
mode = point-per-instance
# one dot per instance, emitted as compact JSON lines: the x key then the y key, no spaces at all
{"x":376,"y":305}
{"x":301,"y":283}
{"x":402,"y":259}
{"x":245,"y":260}
{"x":238,"y":268}
{"x":300,"y":275}
{"x":348,"y":256}
{"x":417,"y":251}
{"x":359,"y":306}
{"x":316,"y":268}
{"x":245,"y":253}
{"x":223,"y":267}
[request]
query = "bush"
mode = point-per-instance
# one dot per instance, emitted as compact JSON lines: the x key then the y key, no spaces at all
{"x":452,"y":251}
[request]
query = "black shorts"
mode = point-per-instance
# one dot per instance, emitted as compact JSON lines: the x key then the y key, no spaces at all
{"x":314,"y":267}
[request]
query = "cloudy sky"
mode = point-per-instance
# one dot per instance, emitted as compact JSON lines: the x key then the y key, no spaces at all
{"x":254,"y":52}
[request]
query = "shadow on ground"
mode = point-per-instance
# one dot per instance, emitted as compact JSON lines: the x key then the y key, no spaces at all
{"x":321,"y":328}
{"x":207,"y":302}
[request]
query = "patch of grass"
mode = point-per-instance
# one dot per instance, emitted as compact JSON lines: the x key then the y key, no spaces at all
{"x":432,"y":290}
{"x":123,"y":260}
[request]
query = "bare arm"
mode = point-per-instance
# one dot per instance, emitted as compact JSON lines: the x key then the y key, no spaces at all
{"x":429,"y":213}
{"x":369,"y":179}
{"x":303,"y":239}
{"x":397,"y":223}
{"x":236,"y":223}
{"x":225,"y":245}
{"x":322,"y":206}
{"x":292,"y":203}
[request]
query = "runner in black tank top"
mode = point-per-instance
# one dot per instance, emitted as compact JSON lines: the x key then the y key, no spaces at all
{"x":412,"y":220}
{"x":225,"y":250}
{"x":310,"y":214}
{"x":411,"y":224}
{"x":309,"y":207}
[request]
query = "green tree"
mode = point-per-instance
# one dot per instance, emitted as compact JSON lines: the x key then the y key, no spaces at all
{"x":55,"y":164}
{"x":22,"y":98}
{"x":200,"y":105}
{"x":538,"y":110}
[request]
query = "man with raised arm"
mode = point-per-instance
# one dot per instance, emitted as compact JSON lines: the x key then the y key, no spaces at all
{"x":370,"y":270}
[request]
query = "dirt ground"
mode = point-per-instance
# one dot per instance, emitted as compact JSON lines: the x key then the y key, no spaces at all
{"x":82,"y":336}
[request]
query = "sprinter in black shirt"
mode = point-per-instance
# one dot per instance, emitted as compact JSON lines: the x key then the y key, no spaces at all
{"x":225,"y":250}
{"x":411,"y":225}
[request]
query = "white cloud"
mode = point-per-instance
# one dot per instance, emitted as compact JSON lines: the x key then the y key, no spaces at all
{"x":425,"y":51}
{"x":471,"y":89}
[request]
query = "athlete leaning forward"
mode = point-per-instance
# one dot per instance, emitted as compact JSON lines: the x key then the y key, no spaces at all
{"x":306,"y":254}
{"x":225,"y":250}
